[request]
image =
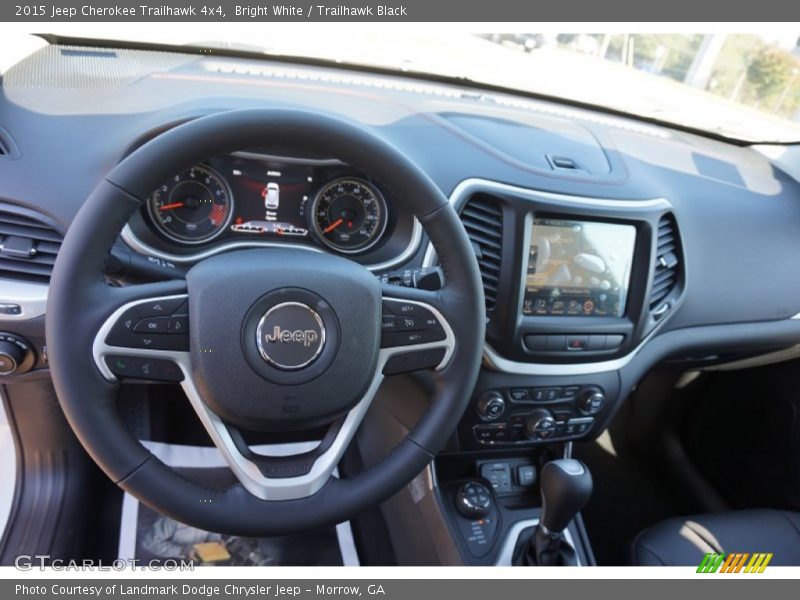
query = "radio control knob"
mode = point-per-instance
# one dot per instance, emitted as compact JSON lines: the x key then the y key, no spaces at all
{"x":11,"y":357}
{"x":540,"y":425}
{"x":592,"y":401}
{"x":491,"y":406}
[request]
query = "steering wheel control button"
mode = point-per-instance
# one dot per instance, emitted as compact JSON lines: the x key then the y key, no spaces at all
{"x":151,"y":369}
{"x":151,"y":325}
{"x":413,"y":324}
{"x":290,"y":335}
{"x":178,"y":325}
{"x":159,"y":308}
{"x":121,"y":366}
{"x":122,"y":330}
{"x":169,"y":371}
{"x":409,"y":324}
{"x":413,"y":361}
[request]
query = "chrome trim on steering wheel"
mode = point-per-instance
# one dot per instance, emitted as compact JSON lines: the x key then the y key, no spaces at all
{"x":248,"y":473}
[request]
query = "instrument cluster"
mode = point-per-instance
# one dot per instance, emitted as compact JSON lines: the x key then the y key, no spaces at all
{"x":252,"y":197}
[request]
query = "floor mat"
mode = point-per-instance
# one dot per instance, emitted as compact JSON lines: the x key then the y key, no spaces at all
{"x":152,"y":538}
{"x":627,"y":498}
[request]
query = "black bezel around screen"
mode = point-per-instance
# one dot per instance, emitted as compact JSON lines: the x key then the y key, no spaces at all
{"x":508,"y":326}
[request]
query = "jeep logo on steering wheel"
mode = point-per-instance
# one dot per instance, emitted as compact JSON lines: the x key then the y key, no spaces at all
{"x":306,"y":337}
{"x":290,"y":335}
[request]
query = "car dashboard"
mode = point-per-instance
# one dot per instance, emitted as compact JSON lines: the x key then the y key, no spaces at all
{"x":607,"y":245}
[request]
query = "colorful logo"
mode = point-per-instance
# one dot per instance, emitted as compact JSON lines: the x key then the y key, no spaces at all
{"x":735,"y":562}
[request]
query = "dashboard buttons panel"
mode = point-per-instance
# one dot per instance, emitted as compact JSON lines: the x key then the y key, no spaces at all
{"x":572,"y":342}
{"x":537,"y":414}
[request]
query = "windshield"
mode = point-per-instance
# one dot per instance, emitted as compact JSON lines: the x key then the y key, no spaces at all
{"x":743,"y":86}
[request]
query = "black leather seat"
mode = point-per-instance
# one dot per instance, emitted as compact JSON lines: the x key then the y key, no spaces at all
{"x":685,"y":541}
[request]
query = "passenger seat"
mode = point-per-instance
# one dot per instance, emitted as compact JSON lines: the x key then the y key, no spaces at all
{"x":684,"y":541}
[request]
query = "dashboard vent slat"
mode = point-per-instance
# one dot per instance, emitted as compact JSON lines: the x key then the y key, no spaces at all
{"x":28,"y":245}
{"x":482,"y":218}
{"x":667,"y":266}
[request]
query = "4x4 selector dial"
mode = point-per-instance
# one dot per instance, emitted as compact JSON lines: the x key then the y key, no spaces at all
{"x":474,"y":500}
{"x":540,"y":425}
{"x":592,"y":401}
{"x":491,"y":405}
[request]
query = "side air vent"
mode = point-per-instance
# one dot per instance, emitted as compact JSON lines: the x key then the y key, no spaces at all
{"x":28,"y":245}
{"x":483,"y":219}
{"x":667,"y":267}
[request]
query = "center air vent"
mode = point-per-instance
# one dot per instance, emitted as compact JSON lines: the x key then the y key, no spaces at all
{"x":28,"y":245}
{"x":667,"y":267}
{"x":483,"y":219}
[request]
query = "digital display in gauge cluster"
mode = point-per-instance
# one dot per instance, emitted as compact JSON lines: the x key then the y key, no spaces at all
{"x":249,"y":198}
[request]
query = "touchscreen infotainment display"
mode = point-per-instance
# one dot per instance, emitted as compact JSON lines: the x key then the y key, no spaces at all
{"x":578,"y":268}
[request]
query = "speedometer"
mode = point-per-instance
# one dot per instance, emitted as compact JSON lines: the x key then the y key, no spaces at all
{"x":193,"y":207}
{"x":349,"y":215}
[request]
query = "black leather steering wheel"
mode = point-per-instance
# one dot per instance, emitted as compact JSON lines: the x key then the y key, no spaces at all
{"x":278,"y":339}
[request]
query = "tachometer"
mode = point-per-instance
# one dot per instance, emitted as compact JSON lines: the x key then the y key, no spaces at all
{"x":349,"y":215}
{"x":193,"y":207}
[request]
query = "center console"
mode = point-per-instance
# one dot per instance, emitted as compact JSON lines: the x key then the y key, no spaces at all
{"x":573,"y":287}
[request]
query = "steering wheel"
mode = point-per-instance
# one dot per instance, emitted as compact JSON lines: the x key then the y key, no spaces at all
{"x":269,"y":339}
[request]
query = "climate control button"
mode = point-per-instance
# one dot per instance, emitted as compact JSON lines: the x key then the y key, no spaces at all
{"x":491,"y":405}
{"x":592,"y":401}
{"x":540,"y":425}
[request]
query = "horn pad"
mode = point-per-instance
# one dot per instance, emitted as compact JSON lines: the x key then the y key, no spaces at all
{"x":282,"y":338}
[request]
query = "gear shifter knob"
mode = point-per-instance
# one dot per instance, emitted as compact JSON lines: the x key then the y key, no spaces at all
{"x":566,"y":485}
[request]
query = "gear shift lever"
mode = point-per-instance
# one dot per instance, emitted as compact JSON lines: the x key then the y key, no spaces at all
{"x":566,"y":485}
